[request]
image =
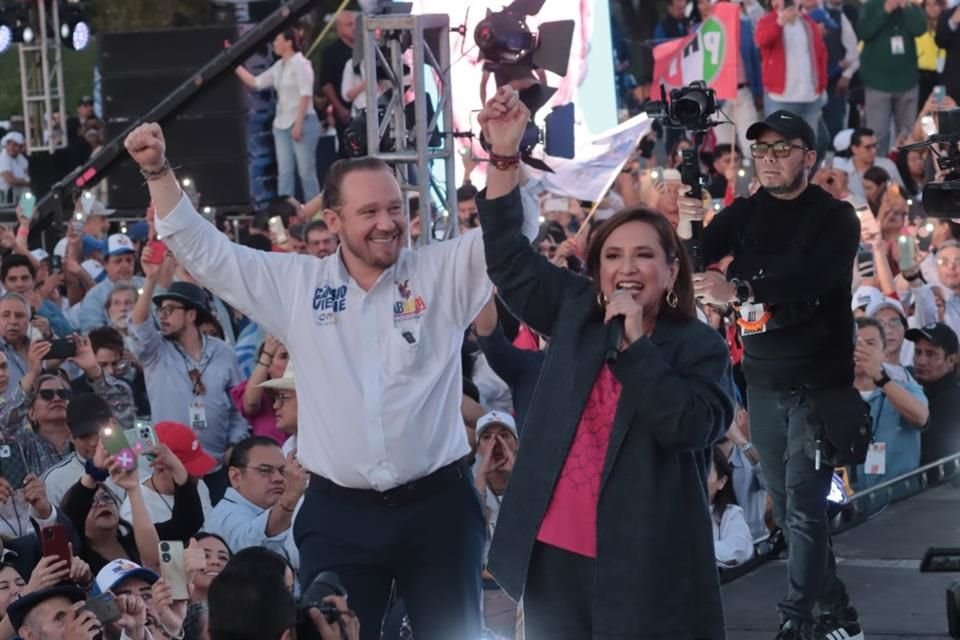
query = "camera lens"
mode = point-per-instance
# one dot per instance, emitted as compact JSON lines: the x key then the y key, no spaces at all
{"x":165,"y":557}
{"x":165,"y":546}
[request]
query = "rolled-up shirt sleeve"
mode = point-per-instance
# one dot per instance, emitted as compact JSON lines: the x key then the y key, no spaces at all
{"x":265,"y":80}
{"x":305,"y":79}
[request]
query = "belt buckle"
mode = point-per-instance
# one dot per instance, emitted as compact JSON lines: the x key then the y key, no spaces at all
{"x":394,"y":497}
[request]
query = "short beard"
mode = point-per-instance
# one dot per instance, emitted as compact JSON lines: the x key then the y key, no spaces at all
{"x":790,"y":187}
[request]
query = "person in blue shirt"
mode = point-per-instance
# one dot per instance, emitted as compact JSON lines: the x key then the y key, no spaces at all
{"x":676,"y":24}
{"x":19,"y":276}
{"x":899,"y":411}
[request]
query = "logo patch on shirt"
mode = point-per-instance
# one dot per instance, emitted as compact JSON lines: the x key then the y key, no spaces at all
{"x":328,"y":301}
{"x":409,"y":306}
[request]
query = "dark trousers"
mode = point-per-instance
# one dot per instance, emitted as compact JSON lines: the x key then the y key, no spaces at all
{"x":784,"y":440}
{"x":217,"y":483}
{"x":558,"y":596}
{"x":432,"y":547}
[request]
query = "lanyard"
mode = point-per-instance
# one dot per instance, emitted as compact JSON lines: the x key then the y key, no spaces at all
{"x":194,"y":373}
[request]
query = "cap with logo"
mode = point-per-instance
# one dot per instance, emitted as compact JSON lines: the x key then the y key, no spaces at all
{"x":937,"y":333}
{"x":86,"y":414}
{"x":786,"y":123}
{"x":886,"y":303}
{"x":864,"y":297}
{"x":182,"y":441}
{"x":117,"y":571}
{"x":118,"y":244}
{"x":496,"y":417}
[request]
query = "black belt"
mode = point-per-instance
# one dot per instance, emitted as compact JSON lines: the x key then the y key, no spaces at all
{"x":413,"y":491}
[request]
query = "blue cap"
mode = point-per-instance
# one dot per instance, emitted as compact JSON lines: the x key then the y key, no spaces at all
{"x":138,"y":231}
{"x":91,"y":245}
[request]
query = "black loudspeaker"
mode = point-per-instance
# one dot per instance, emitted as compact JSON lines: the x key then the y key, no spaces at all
{"x":206,"y":140}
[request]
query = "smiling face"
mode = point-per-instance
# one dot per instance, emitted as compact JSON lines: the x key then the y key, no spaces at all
{"x":11,"y":585}
{"x":217,"y":555}
{"x":633,"y":258}
{"x":369,"y":220}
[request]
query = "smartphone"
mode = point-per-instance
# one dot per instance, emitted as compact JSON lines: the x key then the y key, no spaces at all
{"x":865,"y":265}
{"x":939,"y":93}
{"x":13,"y":466}
{"x":56,"y":263}
{"x":828,"y":159}
{"x":277,"y":230}
{"x":908,"y":254}
{"x":142,"y":437}
{"x":104,"y":607}
{"x":62,"y":349}
{"x":77,"y":226}
{"x":27,"y":201}
{"x":115,"y":443}
{"x":158,"y":250}
{"x":925,"y":236}
{"x":173,"y":569}
{"x":54,"y":541}
{"x":869,"y":227}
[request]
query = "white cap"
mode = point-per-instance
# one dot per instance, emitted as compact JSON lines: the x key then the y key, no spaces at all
{"x":865,"y":296}
{"x":119,"y":243}
{"x":60,"y":249}
{"x":497,"y":417}
{"x":885,"y":303}
{"x":93,"y":268}
{"x":39,"y":255}
{"x":842,"y":141}
{"x":13,"y":136}
{"x":89,"y":206}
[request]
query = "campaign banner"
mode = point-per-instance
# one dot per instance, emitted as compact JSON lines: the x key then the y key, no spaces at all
{"x":710,"y":54}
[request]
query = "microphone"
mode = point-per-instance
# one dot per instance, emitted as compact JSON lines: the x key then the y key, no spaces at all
{"x":614,"y":338}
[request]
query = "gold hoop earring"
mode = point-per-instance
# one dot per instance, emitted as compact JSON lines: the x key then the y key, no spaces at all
{"x":672,"y":299}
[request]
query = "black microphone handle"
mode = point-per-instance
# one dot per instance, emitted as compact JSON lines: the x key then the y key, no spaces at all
{"x":614,"y":338}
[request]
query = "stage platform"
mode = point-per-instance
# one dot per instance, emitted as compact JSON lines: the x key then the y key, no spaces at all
{"x":879,"y":562}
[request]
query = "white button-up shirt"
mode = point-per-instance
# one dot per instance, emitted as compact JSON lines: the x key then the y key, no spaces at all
{"x":381,"y":382}
{"x":292,"y":79}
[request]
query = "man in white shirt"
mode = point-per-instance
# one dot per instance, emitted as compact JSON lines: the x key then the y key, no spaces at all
{"x":863,"y":155}
{"x":377,"y":329}
{"x":14,"y":168}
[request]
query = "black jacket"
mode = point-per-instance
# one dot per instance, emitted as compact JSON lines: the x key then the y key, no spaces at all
{"x":519,"y":368}
{"x":949,"y":39}
{"x":941,"y":438}
{"x":656,"y":576}
{"x":798,"y":257}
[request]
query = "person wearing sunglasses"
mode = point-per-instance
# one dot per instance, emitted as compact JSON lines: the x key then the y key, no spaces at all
{"x":793,"y":248}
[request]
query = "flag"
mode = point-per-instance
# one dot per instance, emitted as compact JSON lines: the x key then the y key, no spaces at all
{"x":589,"y":174}
{"x":710,"y":54}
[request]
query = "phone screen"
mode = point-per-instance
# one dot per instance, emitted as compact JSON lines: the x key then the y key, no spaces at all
{"x":27,"y":201}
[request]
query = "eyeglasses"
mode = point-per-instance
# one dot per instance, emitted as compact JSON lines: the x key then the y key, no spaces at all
{"x":280,"y":399}
{"x":781,"y":149}
{"x":49,"y":394}
{"x":868,"y":146}
{"x":948,"y":262}
{"x":892,"y":323}
{"x":168,"y":309}
{"x":265,"y":470}
{"x":104,"y":499}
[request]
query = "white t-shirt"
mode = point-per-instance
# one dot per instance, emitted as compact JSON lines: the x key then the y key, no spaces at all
{"x":732,"y":543}
{"x":161,"y":506}
{"x":19,"y":167}
{"x":801,"y":81}
{"x":292,"y":79}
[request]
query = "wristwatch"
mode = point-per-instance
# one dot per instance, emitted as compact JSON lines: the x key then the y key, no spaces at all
{"x":882,"y":380}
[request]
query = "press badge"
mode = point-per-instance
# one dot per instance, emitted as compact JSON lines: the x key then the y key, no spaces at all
{"x":751,"y":314}
{"x":876,"y":462}
{"x":897,"y":47}
{"x":198,"y":415}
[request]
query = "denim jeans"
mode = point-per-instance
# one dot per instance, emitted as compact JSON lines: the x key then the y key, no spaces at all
{"x":298,"y":156}
{"x":809,"y":111}
{"x":784,"y":440}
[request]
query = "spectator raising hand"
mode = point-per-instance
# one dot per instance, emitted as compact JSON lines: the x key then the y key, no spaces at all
{"x":133,"y":617}
{"x":170,"y":613}
{"x":81,"y":624}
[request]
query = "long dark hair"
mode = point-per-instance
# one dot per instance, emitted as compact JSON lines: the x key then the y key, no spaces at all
{"x":294,"y":37}
{"x":672,"y":248}
{"x":726,"y":495}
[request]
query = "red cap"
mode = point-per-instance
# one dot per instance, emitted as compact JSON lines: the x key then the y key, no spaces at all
{"x":184,"y":444}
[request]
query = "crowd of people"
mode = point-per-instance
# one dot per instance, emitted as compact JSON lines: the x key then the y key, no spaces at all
{"x":469,"y":434}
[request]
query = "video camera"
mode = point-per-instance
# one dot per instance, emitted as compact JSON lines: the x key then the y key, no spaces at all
{"x":690,"y":108}
{"x":942,"y":199}
{"x":327,"y":583}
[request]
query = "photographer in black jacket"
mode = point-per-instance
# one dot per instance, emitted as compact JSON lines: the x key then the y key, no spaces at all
{"x":793,"y":248}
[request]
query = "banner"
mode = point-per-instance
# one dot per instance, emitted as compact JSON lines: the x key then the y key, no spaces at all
{"x":589,"y":174}
{"x":711,"y":54}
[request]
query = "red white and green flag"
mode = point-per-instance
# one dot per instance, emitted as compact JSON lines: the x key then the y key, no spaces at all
{"x":711,"y":54}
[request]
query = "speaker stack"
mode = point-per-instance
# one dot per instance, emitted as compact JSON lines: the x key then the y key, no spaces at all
{"x":207,"y":140}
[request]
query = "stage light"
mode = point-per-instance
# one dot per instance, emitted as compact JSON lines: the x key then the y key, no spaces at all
{"x":6,"y":37}
{"x":75,"y":33}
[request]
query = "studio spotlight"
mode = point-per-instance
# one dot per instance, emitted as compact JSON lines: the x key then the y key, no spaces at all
{"x":74,"y":28}
{"x":6,"y":36}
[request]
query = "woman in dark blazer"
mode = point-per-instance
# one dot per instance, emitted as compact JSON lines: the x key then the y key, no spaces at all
{"x":605,"y":528}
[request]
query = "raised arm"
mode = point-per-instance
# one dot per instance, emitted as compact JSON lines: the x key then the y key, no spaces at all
{"x":255,"y":282}
{"x":531,"y":286}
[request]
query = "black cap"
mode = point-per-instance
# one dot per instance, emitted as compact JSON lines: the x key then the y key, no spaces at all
{"x":787,"y":124}
{"x":18,"y":609}
{"x":190,"y":295}
{"x":87,"y":413}
{"x":85,"y":100}
{"x":937,"y":333}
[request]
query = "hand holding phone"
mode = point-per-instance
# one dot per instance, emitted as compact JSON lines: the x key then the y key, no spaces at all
{"x":54,"y":541}
{"x":115,"y":444}
{"x":27,"y":202}
{"x":277,"y":231}
{"x":104,"y":607}
{"x":173,"y":569}
{"x":61,"y":349}
{"x":907,"y":247}
{"x":158,"y":251}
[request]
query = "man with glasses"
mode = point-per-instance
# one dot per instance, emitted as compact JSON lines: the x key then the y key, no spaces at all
{"x":793,"y":248}
{"x":948,"y":272}
{"x":189,"y":375}
{"x":863,"y":155}
{"x":257,"y":510}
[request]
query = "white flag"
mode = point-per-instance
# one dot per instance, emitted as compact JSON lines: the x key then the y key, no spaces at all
{"x":588,"y":174}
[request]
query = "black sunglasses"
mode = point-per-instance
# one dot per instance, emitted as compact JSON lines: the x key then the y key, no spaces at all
{"x":49,"y":394}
